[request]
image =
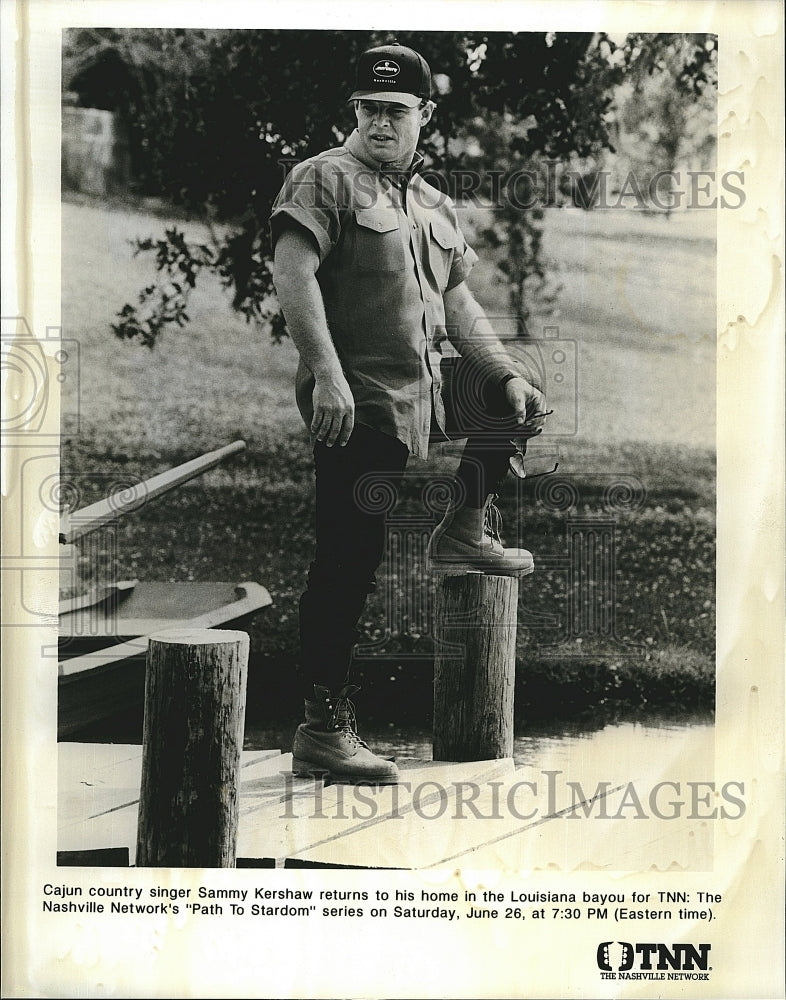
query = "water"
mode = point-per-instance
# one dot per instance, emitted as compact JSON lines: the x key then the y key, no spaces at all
{"x":558,"y":745}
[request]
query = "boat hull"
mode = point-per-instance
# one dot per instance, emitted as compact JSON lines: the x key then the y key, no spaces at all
{"x":102,"y":649}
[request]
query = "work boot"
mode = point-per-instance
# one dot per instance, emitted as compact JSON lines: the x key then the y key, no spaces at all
{"x":327,"y":743}
{"x":468,"y":539}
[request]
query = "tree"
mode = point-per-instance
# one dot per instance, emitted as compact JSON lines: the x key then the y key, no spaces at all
{"x":523,"y":134}
{"x":666,"y":107}
{"x":215,"y":117}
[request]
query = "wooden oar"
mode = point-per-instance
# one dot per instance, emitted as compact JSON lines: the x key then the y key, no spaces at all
{"x":82,"y":522}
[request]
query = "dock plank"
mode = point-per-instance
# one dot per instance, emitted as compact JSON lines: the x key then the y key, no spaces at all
{"x":98,"y":792}
{"x":366,"y":826}
{"x":440,"y":815}
{"x":621,"y":832}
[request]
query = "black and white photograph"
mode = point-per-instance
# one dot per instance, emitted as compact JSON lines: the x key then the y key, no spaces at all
{"x":395,"y":556}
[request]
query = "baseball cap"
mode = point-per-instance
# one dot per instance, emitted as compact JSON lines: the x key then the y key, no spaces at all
{"x":392,"y":73}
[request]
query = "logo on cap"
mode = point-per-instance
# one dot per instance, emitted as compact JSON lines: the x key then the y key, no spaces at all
{"x":386,"y":68}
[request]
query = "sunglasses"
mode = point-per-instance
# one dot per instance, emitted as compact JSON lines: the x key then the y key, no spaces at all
{"x":519,"y":464}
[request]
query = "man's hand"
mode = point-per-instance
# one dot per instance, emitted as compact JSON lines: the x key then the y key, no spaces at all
{"x":334,"y":410}
{"x":300,"y":297}
{"x":528,"y":404}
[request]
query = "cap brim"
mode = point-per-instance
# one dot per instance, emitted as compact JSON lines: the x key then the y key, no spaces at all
{"x":386,"y":96}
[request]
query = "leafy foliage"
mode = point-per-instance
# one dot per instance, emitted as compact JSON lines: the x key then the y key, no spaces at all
{"x":164,"y":302}
{"x":690,"y":59}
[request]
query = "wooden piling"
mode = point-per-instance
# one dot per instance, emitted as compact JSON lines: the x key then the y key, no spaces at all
{"x":195,"y":703}
{"x":474,"y":666}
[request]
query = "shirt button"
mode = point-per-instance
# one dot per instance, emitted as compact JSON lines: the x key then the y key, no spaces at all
{"x":414,"y":225}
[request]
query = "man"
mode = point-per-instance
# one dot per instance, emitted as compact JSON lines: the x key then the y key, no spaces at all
{"x":370,"y":267}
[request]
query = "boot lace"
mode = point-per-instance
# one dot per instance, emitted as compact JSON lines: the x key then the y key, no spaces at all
{"x":492,"y":522}
{"x":343,"y":718}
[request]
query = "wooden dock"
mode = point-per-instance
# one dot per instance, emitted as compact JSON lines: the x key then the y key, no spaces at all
{"x":471,"y":815}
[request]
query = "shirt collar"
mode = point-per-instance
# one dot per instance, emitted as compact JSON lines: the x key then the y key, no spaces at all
{"x":397,"y":177}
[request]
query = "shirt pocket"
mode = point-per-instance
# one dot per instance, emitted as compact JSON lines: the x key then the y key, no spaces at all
{"x":442,"y":247}
{"x":378,"y":244}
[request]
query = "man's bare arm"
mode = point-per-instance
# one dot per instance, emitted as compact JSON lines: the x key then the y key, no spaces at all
{"x":473,"y":336}
{"x":295,"y":266}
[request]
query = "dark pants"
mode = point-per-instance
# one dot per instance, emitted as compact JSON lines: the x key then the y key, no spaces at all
{"x":356,"y":487}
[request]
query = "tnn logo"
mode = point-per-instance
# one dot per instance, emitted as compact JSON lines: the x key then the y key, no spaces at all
{"x":621,"y":956}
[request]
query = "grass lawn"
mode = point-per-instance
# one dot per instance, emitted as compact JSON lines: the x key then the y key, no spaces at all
{"x":637,"y":303}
